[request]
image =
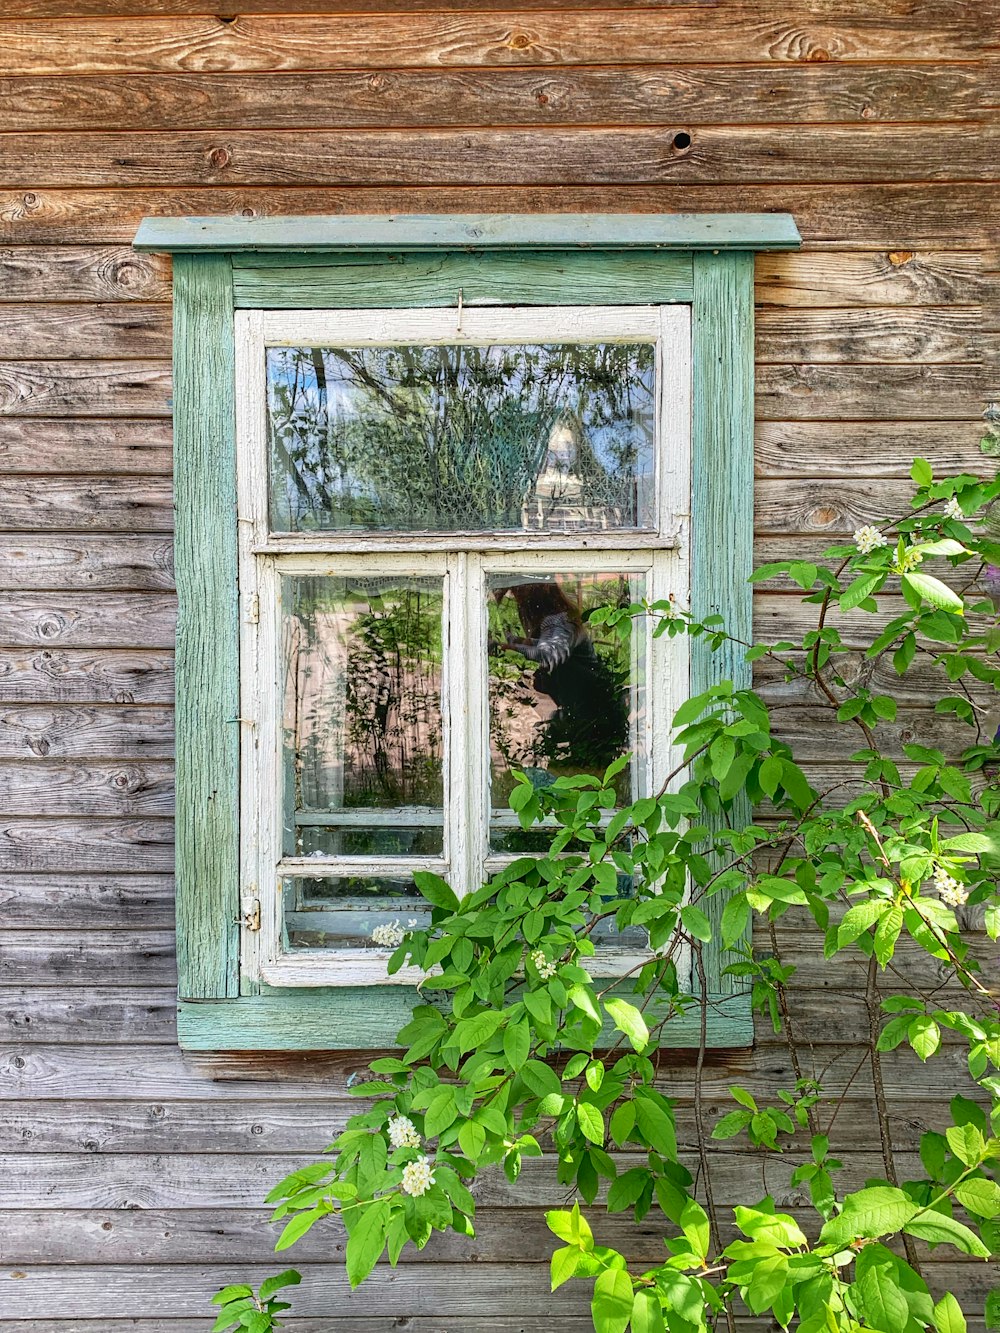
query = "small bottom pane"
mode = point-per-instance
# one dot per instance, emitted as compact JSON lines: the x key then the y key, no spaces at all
{"x":351,"y":912}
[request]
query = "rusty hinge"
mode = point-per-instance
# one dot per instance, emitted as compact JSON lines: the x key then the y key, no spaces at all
{"x":250,"y":920}
{"x":253,"y":609}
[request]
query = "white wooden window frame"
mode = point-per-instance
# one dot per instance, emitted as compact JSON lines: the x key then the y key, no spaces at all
{"x":660,"y":552}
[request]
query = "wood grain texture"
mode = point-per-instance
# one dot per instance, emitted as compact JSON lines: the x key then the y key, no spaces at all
{"x":75,"y":273}
{"x":77,"y":675}
{"x":532,"y":278}
{"x":834,"y":506}
{"x":817,"y":279}
{"x":126,"y":562}
{"x":99,"y":1014}
{"x":821,"y":449}
{"x":722,"y":333}
{"x":390,"y":98}
{"x":88,"y":620}
{"x":40,"y":844}
{"x":208,"y":630}
{"x":747,"y":31}
{"x":86,"y":732}
{"x":85,"y":388}
{"x":949,"y":335}
{"x":114,"y":446}
{"x":87,"y":789}
{"x":76,"y":330}
{"x":108,"y":504}
{"x":873,"y":215}
{"x":72,"y":958}
{"x":838,"y":392}
{"x":556,"y":156}
{"x":71,"y":901}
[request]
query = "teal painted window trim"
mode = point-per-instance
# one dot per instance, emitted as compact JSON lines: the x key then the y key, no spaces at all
{"x":709,"y":262}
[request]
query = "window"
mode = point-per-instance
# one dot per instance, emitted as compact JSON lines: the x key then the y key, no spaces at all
{"x":431,"y":509}
{"x":374,"y":620}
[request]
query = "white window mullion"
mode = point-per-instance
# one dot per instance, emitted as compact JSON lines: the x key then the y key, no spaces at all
{"x":465,"y":720}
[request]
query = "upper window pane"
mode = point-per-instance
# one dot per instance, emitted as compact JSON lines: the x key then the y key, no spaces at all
{"x":546,"y":437}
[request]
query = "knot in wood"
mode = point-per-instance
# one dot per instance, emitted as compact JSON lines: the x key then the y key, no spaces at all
{"x":39,"y":745}
{"x":248,"y":212}
{"x":219,"y":158}
{"x":519,"y":41}
{"x":125,"y":780}
{"x":897,"y":258}
{"x":50,"y":626}
{"x":867,"y":112}
{"x":51,"y":664}
{"x":819,"y":53}
{"x":378,"y":83}
{"x":30,"y":200}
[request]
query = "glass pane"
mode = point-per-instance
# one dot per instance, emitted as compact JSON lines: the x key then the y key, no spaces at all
{"x":362,"y":716}
{"x":565,"y":697}
{"x":546,"y":437}
{"x":350,"y":912}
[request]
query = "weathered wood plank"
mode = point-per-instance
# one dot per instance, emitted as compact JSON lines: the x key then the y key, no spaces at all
{"x":97,"y":731}
{"x":208,"y":746}
{"x":229,"y":8}
{"x":111,"y":1072}
{"x":109,"y":504}
{"x":85,"y":388}
{"x":63,"y":958}
{"x":873,"y":215}
{"x":97,"y":1014}
{"x":742,"y":32}
{"x":81,"y":676}
{"x":528,"y":278}
{"x":402,"y":98}
{"x":113,"y":446}
{"x":789,"y":449}
{"x":75,"y":330}
{"x":876,"y":334}
{"x":128,"y":790}
{"x":838,"y":392}
{"x":78,"y":273}
{"x":71,"y":901}
{"x":111,"y":564}
{"x":885,"y":277}
{"x":46,"y":845}
{"x":836,"y":505}
{"x":88,"y":620}
{"x":546,"y":156}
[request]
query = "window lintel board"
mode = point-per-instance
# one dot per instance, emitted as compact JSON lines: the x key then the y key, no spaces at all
{"x":215,"y":1010}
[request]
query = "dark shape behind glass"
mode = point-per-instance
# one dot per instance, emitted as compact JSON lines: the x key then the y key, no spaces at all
{"x":548,"y":438}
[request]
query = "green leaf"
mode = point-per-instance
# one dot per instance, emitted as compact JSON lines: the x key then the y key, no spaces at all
{"x":948,"y":1316}
{"x":859,"y":918}
{"x":921,"y":473}
{"x":877,"y":1211}
{"x":934,"y":591}
{"x":885,"y":1305}
{"x":938,"y":1229}
{"x":980,"y":1197}
{"x":540,"y":1078}
{"x":591,"y":1122}
{"x":234,"y":1292}
{"x":366,"y":1240}
{"x":735,"y":920}
{"x":860,"y":589}
{"x":565,"y":1262}
{"x":299,"y":1225}
{"x":647,"y":1317}
{"x":436,"y":890}
{"x":967,"y":1143}
{"x":289,"y":1278}
{"x":571,"y":1227}
{"x":611,"y":1306}
{"x":627,"y":1019}
{"x":517,"y":1043}
{"x":696,"y":922}
{"x":924,"y":1036}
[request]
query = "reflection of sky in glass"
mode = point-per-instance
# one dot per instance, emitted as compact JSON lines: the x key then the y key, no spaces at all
{"x":544,"y":437}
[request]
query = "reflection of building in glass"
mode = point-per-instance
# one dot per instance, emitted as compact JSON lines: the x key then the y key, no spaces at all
{"x":561,"y":500}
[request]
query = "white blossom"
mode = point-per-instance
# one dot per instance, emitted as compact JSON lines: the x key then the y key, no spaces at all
{"x":544,"y":967}
{"x":868,"y":539}
{"x":950,"y":890}
{"x":953,"y":509}
{"x":412,"y":924}
{"x":389,"y":935}
{"x":403,"y":1132}
{"x":907,"y":561}
{"x":417,"y":1177}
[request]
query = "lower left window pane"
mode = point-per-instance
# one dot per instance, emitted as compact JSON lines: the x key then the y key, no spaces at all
{"x":350,"y":912}
{"x":363,"y":735}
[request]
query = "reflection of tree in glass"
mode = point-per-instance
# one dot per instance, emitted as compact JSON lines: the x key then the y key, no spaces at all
{"x":587,"y":683}
{"x":444,"y":438}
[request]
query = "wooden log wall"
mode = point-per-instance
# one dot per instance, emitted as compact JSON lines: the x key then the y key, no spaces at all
{"x":132,"y":1175}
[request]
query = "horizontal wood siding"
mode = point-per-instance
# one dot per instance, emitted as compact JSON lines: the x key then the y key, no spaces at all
{"x":134,"y":1173}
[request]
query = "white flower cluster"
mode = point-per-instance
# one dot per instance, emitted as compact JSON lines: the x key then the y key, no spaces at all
{"x":868,"y":539}
{"x":403,"y":1132}
{"x":953,"y":509}
{"x":909,"y":560}
{"x":417,"y":1177}
{"x":390,"y":936}
{"x":545,"y":968}
{"x":949,"y":889}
